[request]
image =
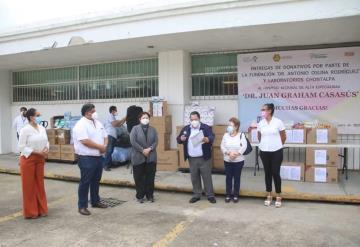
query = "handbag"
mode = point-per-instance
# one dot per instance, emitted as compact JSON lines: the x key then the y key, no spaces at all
{"x":248,"y":145}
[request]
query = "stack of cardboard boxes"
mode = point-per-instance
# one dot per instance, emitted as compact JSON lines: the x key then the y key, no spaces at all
{"x":167,"y":159}
{"x":60,"y":147}
{"x":322,"y":163}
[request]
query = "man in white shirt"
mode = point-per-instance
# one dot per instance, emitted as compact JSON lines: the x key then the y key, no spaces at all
{"x":90,"y":141}
{"x":110,"y":126}
{"x":20,"y":121}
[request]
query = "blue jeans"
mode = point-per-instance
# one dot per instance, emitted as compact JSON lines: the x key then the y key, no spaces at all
{"x":90,"y":176}
{"x":109,"y":151}
{"x":233,"y":174}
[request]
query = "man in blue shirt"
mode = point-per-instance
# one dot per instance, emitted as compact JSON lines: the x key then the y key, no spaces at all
{"x":110,"y":126}
{"x":198,"y":152}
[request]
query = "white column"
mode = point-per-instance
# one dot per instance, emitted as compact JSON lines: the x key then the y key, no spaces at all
{"x":175,"y":84}
{"x":6,"y":133}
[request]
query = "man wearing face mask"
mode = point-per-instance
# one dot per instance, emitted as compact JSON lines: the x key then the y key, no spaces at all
{"x":90,"y":141}
{"x":110,"y":126}
{"x":20,"y":121}
{"x":199,"y":156}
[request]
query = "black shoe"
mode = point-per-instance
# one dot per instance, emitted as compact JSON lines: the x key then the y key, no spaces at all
{"x":140,"y":200}
{"x":84,"y":211}
{"x":194,"y":199}
{"x":99,"y":205}
{"x":150,"y":199}
{"x":212,"y":200}
{"x":236,"y":199}
{"x":227,"y":199}
{"x":107,"y":169}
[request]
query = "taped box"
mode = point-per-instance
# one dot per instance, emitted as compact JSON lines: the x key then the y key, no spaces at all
{"x":321,"y":174}
{"x":162,"y":124}
{"x":54,"y":152}
{"x":158,"y":109}
{"x":182,"y":162}
{"x":322,"y":157}
{"x":321,"y":135}
{"x":217,"y":159}
{"x":63,"y":136}
{"x":52,"y":136}
{"x":168,"y":157}
{"x":219,"y":131}
{"x":294,"y":171}
{"x":67,"y":153}
{"x":163,"y":141}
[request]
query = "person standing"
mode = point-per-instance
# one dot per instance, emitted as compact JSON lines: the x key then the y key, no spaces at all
{"x":20,"y":121}
{"x":90,"y":140}
{"x":272,"y":136}
{"x":34,"y":147}
{"x":233,"y":145}
{"x":110,"y":127}
{"x":198,"y":152}
{"x":144,"y":140}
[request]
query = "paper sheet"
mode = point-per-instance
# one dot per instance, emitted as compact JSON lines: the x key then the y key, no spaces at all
{"x":254,"y":137}
{"x":197,"y":138}
{"x":320,"y":174}
{"x":290,"y":173}
{"x":320,"y":157}
{"x":321,"y":136}
{"x":289,"y":136}
{"x":298,"y":136}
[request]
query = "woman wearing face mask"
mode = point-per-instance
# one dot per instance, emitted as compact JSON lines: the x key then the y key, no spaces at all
{"x":271,"y":134}
{"x":233,"y":145}
{"x":34,"y":148}
{"x":144,"y":140}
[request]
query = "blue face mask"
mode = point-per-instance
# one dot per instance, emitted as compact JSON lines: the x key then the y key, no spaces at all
{"x":38,"y":120}
{"x":230,"y":129}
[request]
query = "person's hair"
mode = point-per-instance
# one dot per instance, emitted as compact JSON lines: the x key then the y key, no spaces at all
{"x":87,"y":107}
{"x":144,"y":113}
{"x":30,"y":113}
{"x":271,"y":107}
{"x":195,"y":113}
{"x":236,"y":123}
{"x":112,"y":108}
{"x":23,"y":108}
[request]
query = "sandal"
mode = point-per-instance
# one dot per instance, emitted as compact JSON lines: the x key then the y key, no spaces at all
{"x":268,"y":201}
{"x":278,"y":202}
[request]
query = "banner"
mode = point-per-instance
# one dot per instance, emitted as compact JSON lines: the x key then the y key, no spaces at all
{"x":305,"y":85}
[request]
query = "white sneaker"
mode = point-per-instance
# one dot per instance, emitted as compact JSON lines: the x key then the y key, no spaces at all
{"x":268,"y":201}
{"x":278,"y":202}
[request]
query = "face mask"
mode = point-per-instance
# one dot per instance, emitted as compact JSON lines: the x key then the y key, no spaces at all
{"x":115,"y":114}
{"x":144,"y":121}
{"x":264,"y":114}
{"x":94,"y":115}
{"x":38,"y":120}
{"x":230,"y":129}
{"x":195,"y":123}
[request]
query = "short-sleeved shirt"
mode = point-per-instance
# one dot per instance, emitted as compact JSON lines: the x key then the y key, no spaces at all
{"x":88,"y":129}
{"x":111,"y":130}
{"x":270,"y":134}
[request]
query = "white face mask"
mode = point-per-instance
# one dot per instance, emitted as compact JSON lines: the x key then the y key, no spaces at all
{"x":95,"y":116}
{"x":144,"y":121}
{"x":195,"y":123}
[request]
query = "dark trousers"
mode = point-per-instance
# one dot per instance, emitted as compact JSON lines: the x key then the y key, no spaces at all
{"x":90,"y":176}
{"x":233,"y":175}
{"x":272,"y":163}
{"x":144,"y":176}
{"x":109,"y":151}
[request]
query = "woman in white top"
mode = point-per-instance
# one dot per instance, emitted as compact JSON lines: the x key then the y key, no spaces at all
{"x":233,"y":145}
{"x":271,"y":134}
{"x":34,"y":148}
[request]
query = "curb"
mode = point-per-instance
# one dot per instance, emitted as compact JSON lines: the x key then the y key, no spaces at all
{"x":245,"y":193}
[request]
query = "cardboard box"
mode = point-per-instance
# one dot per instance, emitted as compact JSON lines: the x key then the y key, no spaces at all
{"x":162,"y":124}
{"x":321,"y":135}
{"x":63,"y":136}
{"x":218,"y":139}
{"x":322,"y":157}
{"x":163,"y":141}
{"x":182,"y":162}
{"x":168,"y":157}
{"x":167,"y":167}
{"x":294,"y":171}
{"x":321,"y":174}
{"x":295,"y":136}
{"x":54,"y":152}
{"x":67,"y":153}
{"x":217,"y":159}
{"x":51,"y":133}
{"x":158,"y":109}
{"x":219,"y":129}
{"x":53,"y":141}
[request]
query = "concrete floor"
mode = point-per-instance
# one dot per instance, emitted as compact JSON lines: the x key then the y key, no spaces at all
{"x":253,"y":186}
{"x":172,"y":221}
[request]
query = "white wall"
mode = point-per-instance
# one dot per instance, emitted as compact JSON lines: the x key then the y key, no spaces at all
{"x":5,"y":112}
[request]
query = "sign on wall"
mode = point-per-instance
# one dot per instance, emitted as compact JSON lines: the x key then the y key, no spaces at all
{"x":304,"y":85}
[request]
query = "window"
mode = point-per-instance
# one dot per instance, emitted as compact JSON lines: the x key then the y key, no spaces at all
{"x":214,"y":75}
{"x":117,"y":80}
